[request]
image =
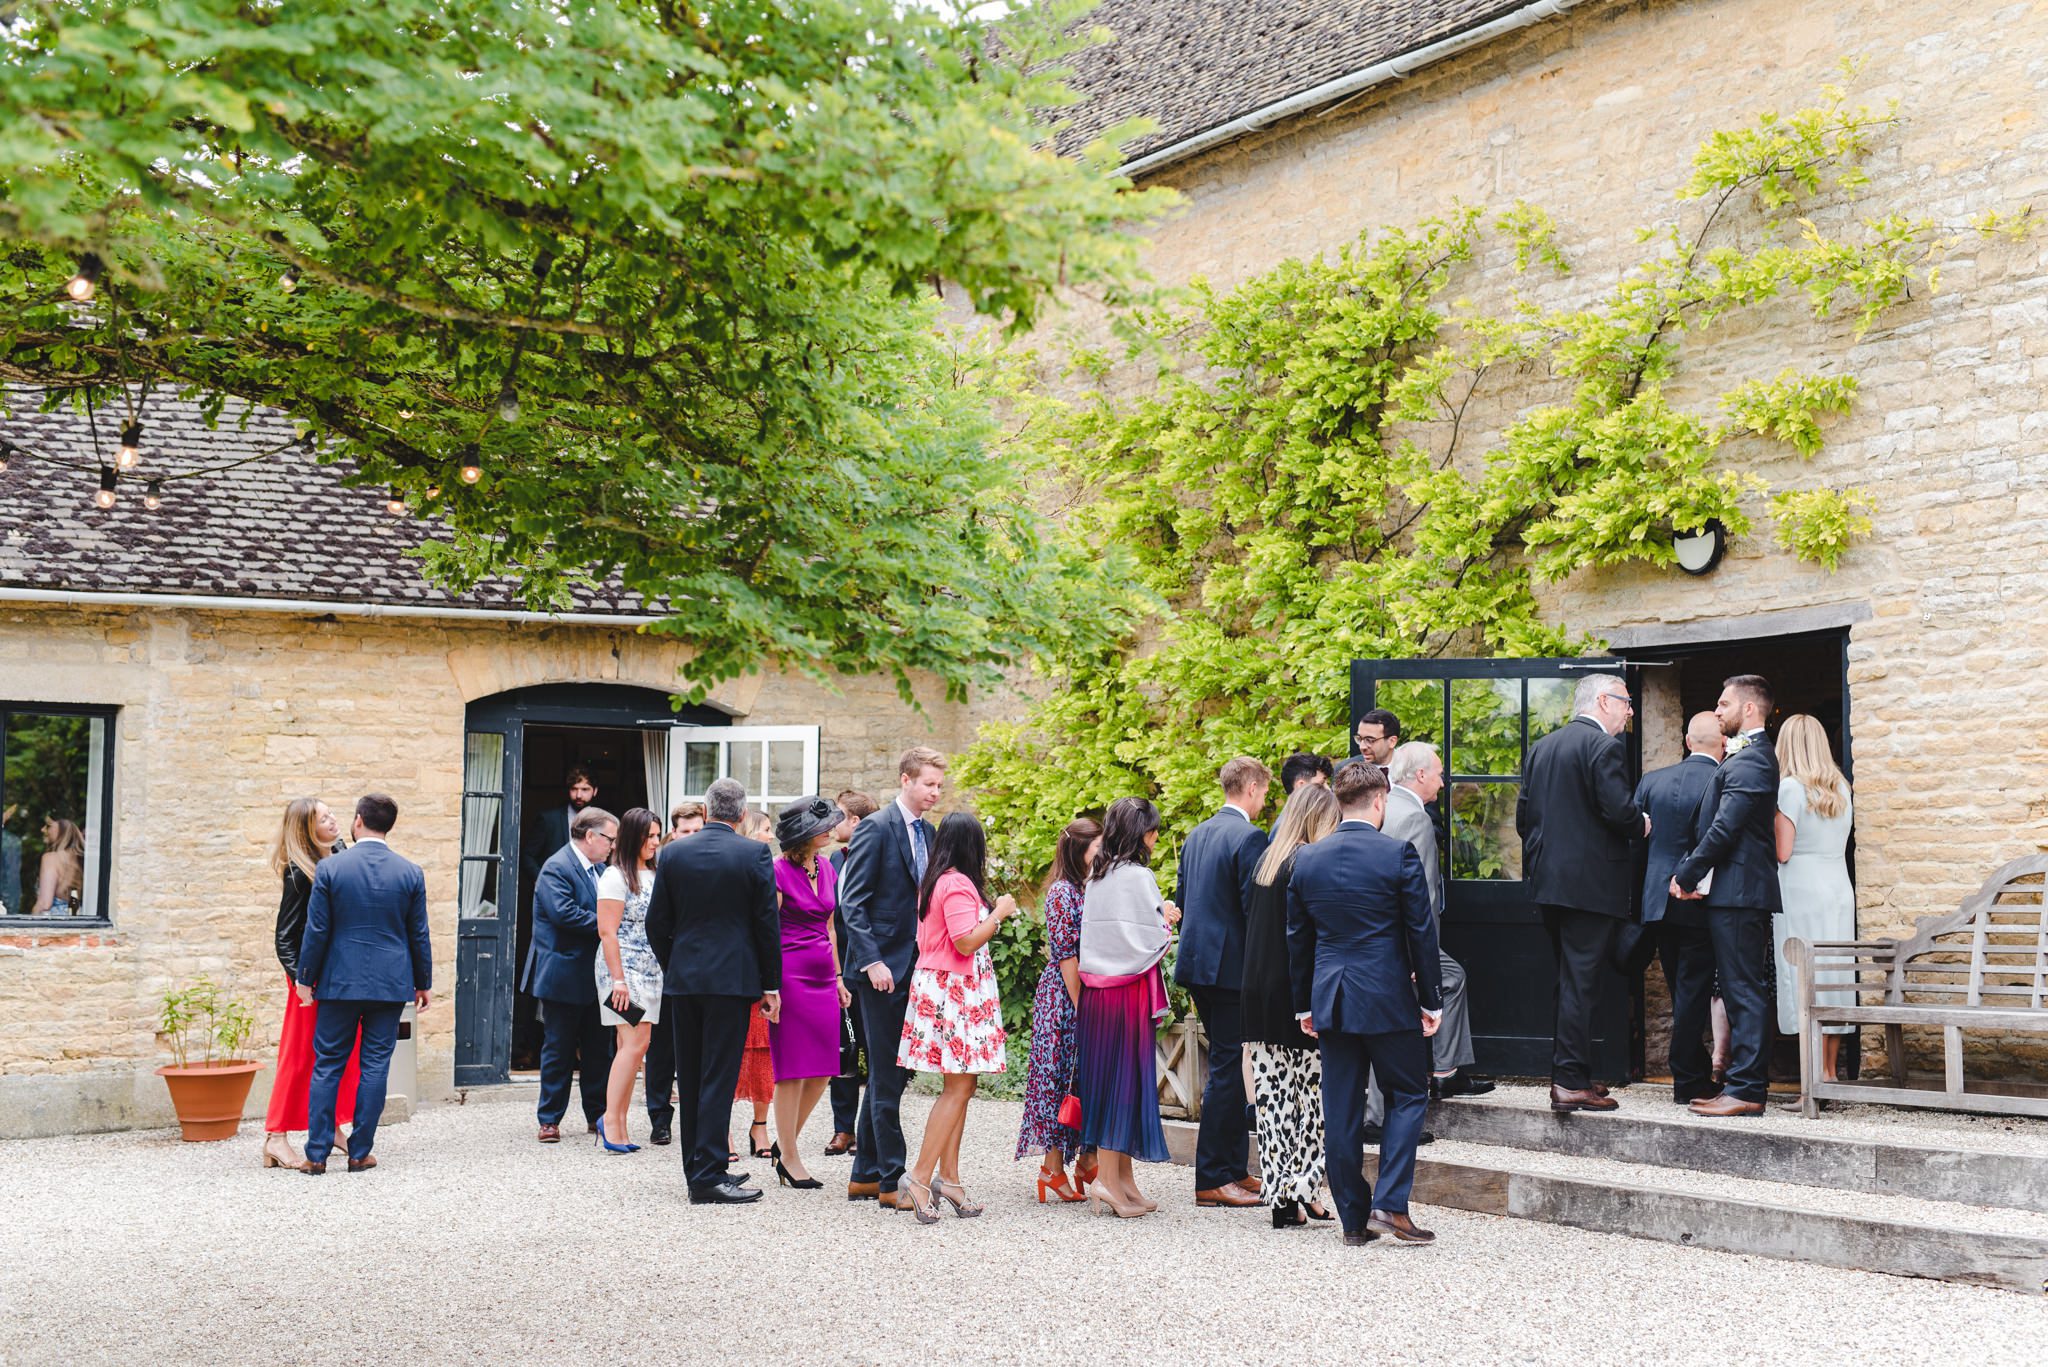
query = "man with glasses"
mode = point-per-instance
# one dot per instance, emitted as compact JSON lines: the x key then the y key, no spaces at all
{"x":1577,"y":816}
{"x":1377,"y":733}
{"x":561,"y":972}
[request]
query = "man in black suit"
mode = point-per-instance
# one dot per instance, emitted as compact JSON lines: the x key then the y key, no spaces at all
{"x":1735,"y":845}
{"x":1364,"y":969}
{"x":549,"y":830}
{"x":885,"y":863}
{"x":846,"y":1088}
{"x":685,"y":819}
{"x":1216,"y":868}
{"x":1577,"y":818}
{"x":714,"y":924}
{"x":561,"y":960}
{"x":1678,"y":929}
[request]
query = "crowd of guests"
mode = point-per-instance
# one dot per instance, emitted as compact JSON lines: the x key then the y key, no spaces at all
{"x":733,"y":959}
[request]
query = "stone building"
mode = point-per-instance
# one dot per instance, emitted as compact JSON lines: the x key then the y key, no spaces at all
{"x":169,"y":678}
{"x":1289,"y":126}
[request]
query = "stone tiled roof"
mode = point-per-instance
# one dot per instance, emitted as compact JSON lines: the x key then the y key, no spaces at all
{"x":283,"y":525}
{"x":1192,"y":65}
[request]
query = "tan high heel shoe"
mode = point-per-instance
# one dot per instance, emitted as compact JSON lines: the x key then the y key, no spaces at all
{"x":925,"y":1209}
{"x":278,"y":1152}
{"x":1105,"y":1204}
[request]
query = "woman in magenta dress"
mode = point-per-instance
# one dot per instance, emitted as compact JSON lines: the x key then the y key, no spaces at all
{"x":805,"y":1041}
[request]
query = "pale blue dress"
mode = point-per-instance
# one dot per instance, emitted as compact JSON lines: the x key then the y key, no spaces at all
{"x":1820,"y":901}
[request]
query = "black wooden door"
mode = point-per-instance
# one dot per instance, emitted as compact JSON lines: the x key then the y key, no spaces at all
{"x":1482,"y":715}
{"x":487,"y":891}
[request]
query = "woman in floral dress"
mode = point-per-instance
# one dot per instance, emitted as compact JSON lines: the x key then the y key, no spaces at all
{"x":1050,"y":1078}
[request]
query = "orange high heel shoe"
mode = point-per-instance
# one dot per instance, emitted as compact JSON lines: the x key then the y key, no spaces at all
{"x":1085,"y":1178}
{"x":1056,"y":1183}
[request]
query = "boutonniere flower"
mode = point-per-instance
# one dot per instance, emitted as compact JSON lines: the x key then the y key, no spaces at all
{"x":1736,"y":743}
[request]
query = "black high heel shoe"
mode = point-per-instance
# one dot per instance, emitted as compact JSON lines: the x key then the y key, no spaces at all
{"x":782,"y":1173}
{"x":1287,"y":1214}
{"x":1316,"y":1210}
{"x":760,"y":1152}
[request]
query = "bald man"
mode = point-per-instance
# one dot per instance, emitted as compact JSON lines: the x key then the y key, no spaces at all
{"x":1678,"y":929}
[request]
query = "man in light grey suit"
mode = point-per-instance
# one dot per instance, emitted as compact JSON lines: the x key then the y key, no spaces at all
{"x":1417,"y":775}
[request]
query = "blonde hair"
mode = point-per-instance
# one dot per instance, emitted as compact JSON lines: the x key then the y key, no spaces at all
{"x":1310,"y":814}
{"x":759,"y":826}
{"x":919,"y":758}
{"x":1243,"y":774}
{"x":296,"y":845}
{"x":69,"y":847}
{"x":1803,"y":754}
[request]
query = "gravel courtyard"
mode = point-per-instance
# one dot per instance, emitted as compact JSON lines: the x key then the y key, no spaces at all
{"x":474,"y":1244}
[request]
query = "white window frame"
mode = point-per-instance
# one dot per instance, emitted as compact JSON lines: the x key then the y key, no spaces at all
{"x":728,"y":738}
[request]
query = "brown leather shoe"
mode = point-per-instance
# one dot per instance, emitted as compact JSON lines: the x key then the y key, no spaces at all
{"x":1398,"y":1227}
{"x":312,"y":1169}
{"x":1570,"y":1099}
{"x":1253,"y":1185}
{"x":551,"y":1134}
{"x":1229,"y":1194}
{"x":888,"y":1200}
{"x":841,"y":1142}
{"x":364,"y":1165}
{"x":863,"y":1191}
{"x":1727,"y":1105}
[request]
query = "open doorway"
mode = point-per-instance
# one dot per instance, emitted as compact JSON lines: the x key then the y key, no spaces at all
{"x":1808,"y":673}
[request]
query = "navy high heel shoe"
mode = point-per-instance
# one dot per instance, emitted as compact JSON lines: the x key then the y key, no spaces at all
{"x":607,"y":1144}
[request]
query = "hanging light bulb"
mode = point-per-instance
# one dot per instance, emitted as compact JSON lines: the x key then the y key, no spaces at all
{"x":131,"y":446}
{"x":406,"y":414}
{"x":433,"y":491}
{"x":471,"y":470}
{"x":153,"y":495}
{"x":105,"y":497}
{"x":395,"y":505}
{"x":508,"y":402}
{"x":85,"y":282}
{"x":289,"y":281}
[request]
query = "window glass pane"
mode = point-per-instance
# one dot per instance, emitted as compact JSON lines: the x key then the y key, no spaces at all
{"x":1419,"y":703}
{"x":483,"y":768}
{"x":746,"y":766}
{"x":785,"y":768}
{"x":478,"y":888}
{"x":700,"y":767}
{"x":1483,"y":839}
{"x":1550,"y":705}
{"x":51,"y":827}
{"x":1486,"y":726}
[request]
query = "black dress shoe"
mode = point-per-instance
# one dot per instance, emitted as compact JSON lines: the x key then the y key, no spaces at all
{"x":1360,"y":1239}
{"x":1375,"y":1134}
{"x":1460,"y":1083}
{"x":660,"y":1132}
{"x":1687,"y":1097}
{"x":722,"y":1194}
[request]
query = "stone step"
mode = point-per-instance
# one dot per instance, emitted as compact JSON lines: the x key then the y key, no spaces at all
{"x":1646,"y":1132}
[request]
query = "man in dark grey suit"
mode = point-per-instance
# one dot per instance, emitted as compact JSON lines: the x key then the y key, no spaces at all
{"x":1676,"y":929}
{"x":1735,"y":845}
{"x":1577,"y":817}
{"x":366,"y":953}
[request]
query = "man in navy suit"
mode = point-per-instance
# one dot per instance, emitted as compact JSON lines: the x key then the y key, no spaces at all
{"x":1735,"y":840}
{"x":1215,"y":887}
{"x":1671,"y":798}
{"x":714,"y":924}
{"x":561,"y":972}
{"x":846,"y":1088}
{"x":1367,"y":983}
{"x":364,"y":956}
{"x":885,"y":863}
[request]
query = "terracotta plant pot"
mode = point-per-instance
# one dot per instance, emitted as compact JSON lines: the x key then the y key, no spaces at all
{"x":208,"y":1098}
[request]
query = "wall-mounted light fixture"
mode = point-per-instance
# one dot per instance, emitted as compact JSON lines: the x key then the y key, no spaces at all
{"x":1701,"y":549}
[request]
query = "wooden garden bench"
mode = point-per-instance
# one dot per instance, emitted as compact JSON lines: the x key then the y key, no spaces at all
{"x":1984,"y":967}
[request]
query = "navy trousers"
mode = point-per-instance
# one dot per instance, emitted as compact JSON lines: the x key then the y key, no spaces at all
{"x":846,"y":1087}
{"x":1743,"y":955}
{"x":879,"y":1153}
{"x":710,"y":1035}
{"x":1223,"y":1142}
{"x":573,"y":1034}
{"x":1687,"y":953}
{"x":334,"y":1035}
{"x":1400,"y":1062}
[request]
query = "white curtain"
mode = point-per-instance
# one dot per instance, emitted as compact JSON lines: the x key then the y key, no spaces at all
{"x":654,"y":756}
{"x":483,"y":776}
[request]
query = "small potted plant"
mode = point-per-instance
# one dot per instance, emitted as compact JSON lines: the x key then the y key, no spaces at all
{"x":207,"y":1095}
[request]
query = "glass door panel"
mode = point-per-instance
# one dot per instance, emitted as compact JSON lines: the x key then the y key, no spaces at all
{"x":775,"y":764}
{"x":1486,"y":727}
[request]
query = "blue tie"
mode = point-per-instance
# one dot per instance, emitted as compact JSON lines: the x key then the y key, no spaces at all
{"x":918,"y":857}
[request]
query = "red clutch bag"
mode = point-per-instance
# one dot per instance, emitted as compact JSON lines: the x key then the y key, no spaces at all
{"x":1070,"y":1112}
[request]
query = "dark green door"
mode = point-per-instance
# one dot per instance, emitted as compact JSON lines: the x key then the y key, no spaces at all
{"x":1482,"y":715}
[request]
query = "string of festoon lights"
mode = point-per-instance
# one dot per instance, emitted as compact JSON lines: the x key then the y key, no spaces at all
{"x":82,"y":288}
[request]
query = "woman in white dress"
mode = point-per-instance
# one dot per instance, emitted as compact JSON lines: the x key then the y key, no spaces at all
{"x":1813,"y":821}
{"x":628,"y":973}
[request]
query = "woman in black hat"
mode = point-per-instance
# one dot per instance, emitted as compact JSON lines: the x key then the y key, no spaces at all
{"x":804,"y":1042}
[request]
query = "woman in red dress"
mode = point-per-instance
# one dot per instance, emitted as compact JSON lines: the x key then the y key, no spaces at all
{"x":757,"y":1065}
{"x":309,"y":834}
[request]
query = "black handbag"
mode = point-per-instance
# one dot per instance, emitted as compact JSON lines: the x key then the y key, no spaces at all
{"x":849,"y":1046}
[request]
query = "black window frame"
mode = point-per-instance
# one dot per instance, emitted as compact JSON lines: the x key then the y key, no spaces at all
{"x":101,"y":918}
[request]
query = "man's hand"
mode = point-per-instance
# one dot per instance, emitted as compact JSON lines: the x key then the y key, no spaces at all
{"x":771,"y":1007}
{"x":1646,"y":825}
{"x":305,"y":994}
{"x":1430,"y":1023}
{"x":1682,"y":895}
{"x":880,"y":978}
{"x":422,"y":999}
{"x":1308,"y":1027}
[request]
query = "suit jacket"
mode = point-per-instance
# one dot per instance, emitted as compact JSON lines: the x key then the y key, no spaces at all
{"x":548,"y":833}
{"x":1672,"y":796}
{"x":878,"y":896}
{"x":1736,"y":832}
{"x":1577,"y":819}
{"x":714,"y":921}
{"x":561,"y":959}
{"x":1408,"y":819}
{"x":1213,"y":890}
{"x":366,"y":927}
{"x":1359,"y":926}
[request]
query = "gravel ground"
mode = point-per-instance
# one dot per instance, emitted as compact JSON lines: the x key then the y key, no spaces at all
{"x":473,"y":1243}
{"x":1838,"y":1120}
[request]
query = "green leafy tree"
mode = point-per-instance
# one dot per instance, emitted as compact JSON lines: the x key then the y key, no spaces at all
{"x":639,"y":289}
{"x":1300,"y":488}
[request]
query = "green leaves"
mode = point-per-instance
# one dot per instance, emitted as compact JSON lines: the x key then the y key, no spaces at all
{"x":1820,"y":524}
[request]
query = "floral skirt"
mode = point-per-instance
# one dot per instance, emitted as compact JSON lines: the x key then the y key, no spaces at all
{"x":954,"y":1022}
